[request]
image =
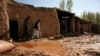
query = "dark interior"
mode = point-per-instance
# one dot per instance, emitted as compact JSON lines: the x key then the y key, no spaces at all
{"x":14,"y":30}
{"x":68,"y":25}
{"x":65,"y":18}
{"x":76,"y":29}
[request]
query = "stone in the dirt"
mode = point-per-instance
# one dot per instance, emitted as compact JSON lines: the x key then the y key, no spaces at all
{"x":51,"y":37}
{"x":5,"y":46}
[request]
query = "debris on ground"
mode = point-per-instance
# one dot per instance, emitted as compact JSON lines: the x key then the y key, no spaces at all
{"x":70,"y":46}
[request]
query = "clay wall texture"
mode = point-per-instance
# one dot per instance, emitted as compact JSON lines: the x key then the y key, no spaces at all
{"x":96,"y":28}
{"x":4,"y":21}
{"x":48,"y":18}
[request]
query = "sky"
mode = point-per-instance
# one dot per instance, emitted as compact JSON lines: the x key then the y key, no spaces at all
{"x":79,"y":6}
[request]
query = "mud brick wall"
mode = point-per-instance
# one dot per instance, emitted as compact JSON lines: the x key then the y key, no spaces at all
{"x":77,"y":26}
{"x":96,"y":28}
{"x":86,"y":27}
{"x":4,"y":21}
{"x":72,"y":24}
{"x":49,"y":22}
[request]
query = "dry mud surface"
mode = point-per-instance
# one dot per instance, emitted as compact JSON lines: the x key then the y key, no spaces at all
{"x":70,"y":46}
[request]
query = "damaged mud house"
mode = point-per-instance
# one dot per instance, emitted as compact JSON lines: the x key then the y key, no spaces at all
{"x":54,"y":21}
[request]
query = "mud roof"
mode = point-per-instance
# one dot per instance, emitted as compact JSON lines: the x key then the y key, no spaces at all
{"x":43,"y":8}
{"x":82,"y":20}
{"x":64,"y":11}
{"x":96,"y":24}
{"x":13,"y":2}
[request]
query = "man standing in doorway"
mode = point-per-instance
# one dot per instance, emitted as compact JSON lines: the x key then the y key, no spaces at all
{"x":63,"y":28}
{"x":26,"y":29}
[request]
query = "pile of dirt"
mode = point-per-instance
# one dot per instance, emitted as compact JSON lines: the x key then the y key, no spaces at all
{"x":20,"y":51}
{"x":39,"y":48}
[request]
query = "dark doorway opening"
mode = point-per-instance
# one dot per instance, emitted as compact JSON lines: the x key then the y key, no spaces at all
{"x":62,"y":22}
{"x":76,"y":24}
{"x":68,"y":25}
{"x":14,"y":30}
{"x":65,"y":21}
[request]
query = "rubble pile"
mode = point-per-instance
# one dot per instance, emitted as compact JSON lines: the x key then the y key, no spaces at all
{"x":82,"y":46}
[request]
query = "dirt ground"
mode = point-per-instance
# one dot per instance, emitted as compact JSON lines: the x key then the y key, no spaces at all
{"x":84,"y":45}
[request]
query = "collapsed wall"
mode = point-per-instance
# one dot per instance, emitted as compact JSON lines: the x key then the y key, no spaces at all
{"x":4,"y":21}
